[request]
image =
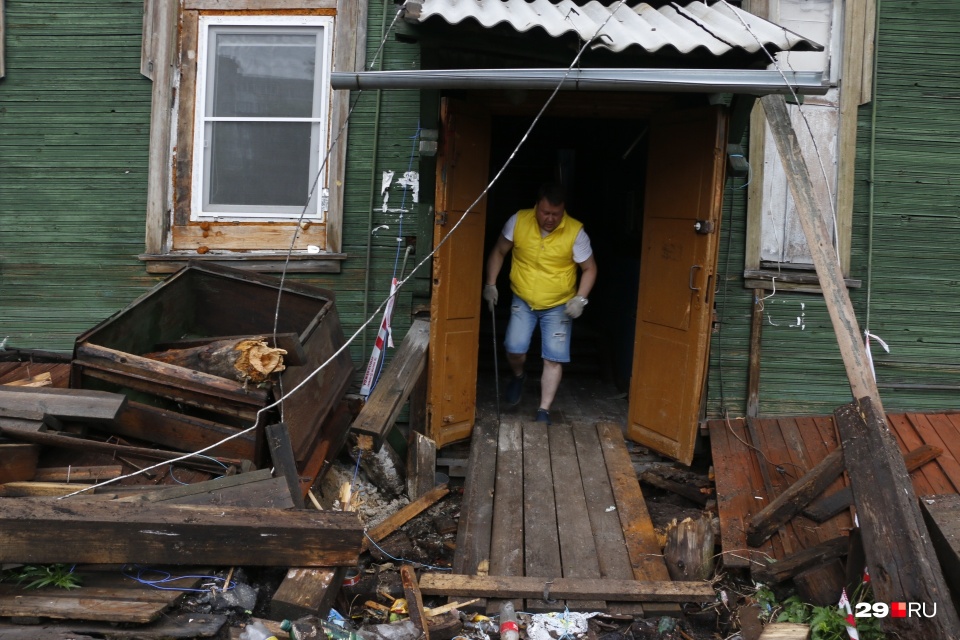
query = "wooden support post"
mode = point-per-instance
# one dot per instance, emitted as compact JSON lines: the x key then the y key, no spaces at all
{"x":753,"y":370}
{"x":281,"y":452}
{"x":421,"y":465}
{"x":903,"y":567}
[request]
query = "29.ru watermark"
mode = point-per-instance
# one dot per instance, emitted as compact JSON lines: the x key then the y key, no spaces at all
{"x":895,"y":610}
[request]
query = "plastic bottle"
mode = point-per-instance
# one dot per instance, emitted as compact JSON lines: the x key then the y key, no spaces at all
{"x":509,"y":630}
{"x":256,"y":631}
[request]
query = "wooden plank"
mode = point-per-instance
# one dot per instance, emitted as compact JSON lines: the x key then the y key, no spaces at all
{"x":281,"y":453}
{"x":41,"y":489}
{"x":476,"y":512}
{"x":541,"y":544}
{"x":601,"y":505}
{"x":578,"y":552}
{"x":75,"y":404}
{"x":639,"y":536}
{"x":774,"y":482}
{"x":21,"y":424}
{"x":421,"y":465}
{"x":258,"y":5}
{"x":247,"y":236}
{"x":40,"y":380}
{"x":907,"y":441}
{"x":397,"y":381}
{"x":181,"y":431}
{"x":942,"y":514}
{"x":306,"y":592}
{"x":168,"y":627}
{"x":785,"y":568}
{"x":34,"y":530}
{"x":68,"y":474}
{"x":582,"y":588}
{"x":828,"y":506}
{"x":785,"y":631}
{"x":241,"y":489}
{"x":404,"y":515}
{"x":507,"y":533}
{"x":414,"y":601}
{"x":18,"y":462}
{"x":819,"y":436}
{"x":796,"y":497}
{"x":689,"y":492}
{"x":946,"y":461}
{"x":903,"y":563}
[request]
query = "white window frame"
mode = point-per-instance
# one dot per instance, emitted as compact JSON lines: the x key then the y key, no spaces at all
{"x":318,"y":203}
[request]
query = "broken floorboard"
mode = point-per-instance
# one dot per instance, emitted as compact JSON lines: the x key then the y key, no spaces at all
{"x":105,"y":594}
{"x":537,"y":529}
{"x":790,"y":447}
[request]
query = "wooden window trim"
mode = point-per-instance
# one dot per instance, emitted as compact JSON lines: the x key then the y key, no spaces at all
{"x":170,"y":160}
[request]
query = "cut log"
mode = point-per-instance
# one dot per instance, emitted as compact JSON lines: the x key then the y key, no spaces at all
{"x":820,"y":585}
{"x":34,"y":530}
{"x":822,"y":509}
{"x":75,"y":404}
{"x":18,"y":462}
{"x":689,"y":552}
{"x":248,"y":359}
{"x":565,"y":588}
{"x":797,"y":496}
{"x":290,"y":342}
{"x":786,"y":568}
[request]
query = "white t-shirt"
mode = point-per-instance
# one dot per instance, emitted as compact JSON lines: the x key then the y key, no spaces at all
{"x":581,"y":244}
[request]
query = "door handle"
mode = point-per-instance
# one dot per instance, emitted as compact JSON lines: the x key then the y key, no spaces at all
{"x":692,"y":269}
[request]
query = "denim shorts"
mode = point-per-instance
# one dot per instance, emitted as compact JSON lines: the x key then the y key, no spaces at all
{"x":556,"y":328}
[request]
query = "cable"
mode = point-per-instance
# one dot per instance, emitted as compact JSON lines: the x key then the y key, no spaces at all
{"x":404,"y":560}
{"x":168,"y":577}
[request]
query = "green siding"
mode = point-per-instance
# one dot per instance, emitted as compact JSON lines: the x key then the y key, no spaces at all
{"x":74,"y":131}
{"x":74,"y":134}
{"x":915,"y":264}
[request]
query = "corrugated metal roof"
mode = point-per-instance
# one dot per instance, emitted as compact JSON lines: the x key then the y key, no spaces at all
{"x":719,"y":28}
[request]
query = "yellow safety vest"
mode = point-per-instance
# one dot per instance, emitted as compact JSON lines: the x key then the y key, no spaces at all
{"x":544,"y":273}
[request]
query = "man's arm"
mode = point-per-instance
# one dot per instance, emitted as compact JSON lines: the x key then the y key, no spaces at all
{"x":588,"y":276}
{"x":495,"y":259}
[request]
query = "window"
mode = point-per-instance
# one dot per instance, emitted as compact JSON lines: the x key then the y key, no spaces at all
{"x":261,"y":117}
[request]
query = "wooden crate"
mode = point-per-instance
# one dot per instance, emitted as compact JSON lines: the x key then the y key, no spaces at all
{"x":187,"y":410}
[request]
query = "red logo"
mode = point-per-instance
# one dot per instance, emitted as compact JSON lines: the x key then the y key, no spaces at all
{"x":898,"y":609}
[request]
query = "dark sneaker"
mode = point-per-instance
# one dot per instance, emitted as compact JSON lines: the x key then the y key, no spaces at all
{"x":514,"y":390}
{"x":543,"y":416}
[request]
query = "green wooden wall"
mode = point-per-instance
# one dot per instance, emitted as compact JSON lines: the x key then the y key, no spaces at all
{"x":909,"y":271}
{"x":74,"y":133}
{"x":74,"y":128}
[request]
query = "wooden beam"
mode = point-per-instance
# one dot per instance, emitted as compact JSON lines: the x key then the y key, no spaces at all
{"x":753,"y":368}
{"x":411,"y":589}
{"x":306,"y":592}
{"x":40,"y":380}
{"x":253,"y":489}
{"x":68,"y":474}
{"x":798,"y":495}
{"x":570,"y":588}
{"x":75,"y":404}
{"x":785,"y":631}
{"x":421,"y":465}
{"x":824,"y":508}
{"x":906,"y":564}
{"x":688,"y":491}
{"x":35,"y":530}
{"x":398,"y":380}
{"x":901,"y":557}
{"x":18,"y":462}
{"x":281,"y":453}
{"x":405,"y":514}
{"x":774,"y":572}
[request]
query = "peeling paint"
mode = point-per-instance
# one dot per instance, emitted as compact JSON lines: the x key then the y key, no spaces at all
{"x":159,"y":533}
{"x":411,"y":180}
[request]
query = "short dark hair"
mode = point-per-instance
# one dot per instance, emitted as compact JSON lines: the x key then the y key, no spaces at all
{"x":553,"y":192}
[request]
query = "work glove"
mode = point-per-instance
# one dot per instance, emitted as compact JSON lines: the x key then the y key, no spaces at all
{"x":575,"y":306}
{"x":490,"y":294}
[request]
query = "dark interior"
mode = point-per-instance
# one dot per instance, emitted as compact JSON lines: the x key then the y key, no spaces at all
{"x":602,"y":163}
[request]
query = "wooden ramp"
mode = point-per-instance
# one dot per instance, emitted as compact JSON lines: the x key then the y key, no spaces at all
{"x":556,"y":502}
{"x":755,"y":462}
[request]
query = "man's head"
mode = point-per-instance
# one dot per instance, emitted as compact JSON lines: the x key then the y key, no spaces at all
{"x":550,"y":201}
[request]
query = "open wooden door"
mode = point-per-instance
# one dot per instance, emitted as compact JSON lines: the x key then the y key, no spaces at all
{"x":457,"y":272}
{"x":681,"y":227}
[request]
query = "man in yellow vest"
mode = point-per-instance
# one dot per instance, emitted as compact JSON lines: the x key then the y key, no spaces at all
{"x":548,"y":246}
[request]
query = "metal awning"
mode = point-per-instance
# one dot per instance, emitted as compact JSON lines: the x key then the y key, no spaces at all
{"x":718,"y":28}
{"x":746,"y":81}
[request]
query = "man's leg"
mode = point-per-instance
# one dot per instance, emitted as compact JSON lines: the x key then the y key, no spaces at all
{"x":516,"y":343}
{"x":549,"y":382}
{"x":516,"y":362}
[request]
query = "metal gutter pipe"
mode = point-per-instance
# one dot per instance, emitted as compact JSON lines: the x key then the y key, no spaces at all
{"x":749,"y":81}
